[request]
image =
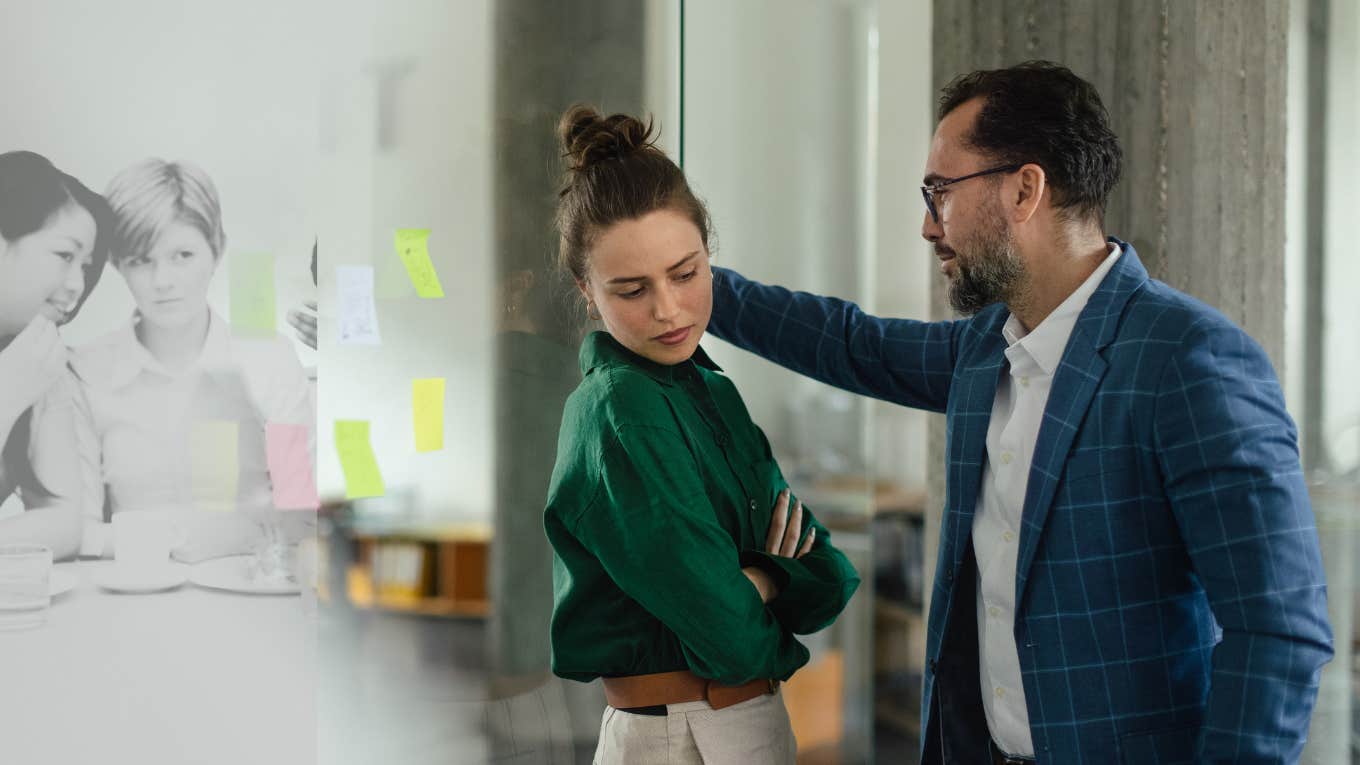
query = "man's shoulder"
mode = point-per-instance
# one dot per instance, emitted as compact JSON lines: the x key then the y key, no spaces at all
{"x":1162,"y":324}
{"x":1161,"y":313}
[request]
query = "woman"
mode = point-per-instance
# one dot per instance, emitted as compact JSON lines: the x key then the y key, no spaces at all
{"x":53,"y":244}
{"x":178,"y":406}
{"x":674,"y":581}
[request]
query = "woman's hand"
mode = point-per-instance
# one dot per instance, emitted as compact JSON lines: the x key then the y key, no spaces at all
{"x":29,"y":366}
{"x":782,"y":540}
{"x":304,"y":323}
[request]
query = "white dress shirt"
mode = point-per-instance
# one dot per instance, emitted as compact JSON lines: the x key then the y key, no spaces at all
{"x":187,"y":439}
{"x":1017,"y":412}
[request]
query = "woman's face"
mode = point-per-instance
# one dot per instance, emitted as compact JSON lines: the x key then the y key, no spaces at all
{"x":44,"y":272}
{"x":651,"y":282}
{"x":170,"y":282}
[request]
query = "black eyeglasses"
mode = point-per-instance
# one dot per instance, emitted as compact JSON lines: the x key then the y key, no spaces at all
{"x":929,"y":191}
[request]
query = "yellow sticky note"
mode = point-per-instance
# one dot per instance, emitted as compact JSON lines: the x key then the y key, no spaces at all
{"x":427,"y":399}
{"x":252,"y":293}
{"x":214,"y":464}
{"x":362,"y":478}
{"x":413,"y":248}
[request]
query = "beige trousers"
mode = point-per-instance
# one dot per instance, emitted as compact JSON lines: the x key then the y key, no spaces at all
{"x":754,"y":732}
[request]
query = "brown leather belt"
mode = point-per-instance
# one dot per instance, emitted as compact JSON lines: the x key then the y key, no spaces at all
{"x":679,"y":687}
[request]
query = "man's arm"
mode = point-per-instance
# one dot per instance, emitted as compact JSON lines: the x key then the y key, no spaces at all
{"x":1229,"y":459}
{"x":899,"y":360}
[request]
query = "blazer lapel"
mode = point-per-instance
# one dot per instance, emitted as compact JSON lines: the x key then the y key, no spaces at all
{"x":1074,"y":387}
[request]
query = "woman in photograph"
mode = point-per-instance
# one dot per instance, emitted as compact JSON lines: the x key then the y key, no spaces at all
{"x":53,"y":244}
{"x":684,"y":567}
{"x":176,"y":403}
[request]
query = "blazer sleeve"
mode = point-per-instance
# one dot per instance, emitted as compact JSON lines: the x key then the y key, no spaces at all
{"x":903,"y":361}
{"x":1229,"y":459}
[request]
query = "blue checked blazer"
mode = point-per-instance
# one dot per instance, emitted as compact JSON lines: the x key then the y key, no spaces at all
{"x":1170,"y":598}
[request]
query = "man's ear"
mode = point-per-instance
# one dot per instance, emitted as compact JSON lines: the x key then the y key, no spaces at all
{"x":1026,"y":192}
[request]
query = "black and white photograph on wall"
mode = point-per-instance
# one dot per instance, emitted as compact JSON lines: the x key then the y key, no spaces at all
{"x":157,"y":394}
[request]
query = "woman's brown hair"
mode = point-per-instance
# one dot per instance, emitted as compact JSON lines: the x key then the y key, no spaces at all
{"x":614,"y":173}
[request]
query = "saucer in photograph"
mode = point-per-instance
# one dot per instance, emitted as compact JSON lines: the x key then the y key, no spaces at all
{"x":59,"y":582}
{"x":240,"y":573}
{"x":141,"y":578}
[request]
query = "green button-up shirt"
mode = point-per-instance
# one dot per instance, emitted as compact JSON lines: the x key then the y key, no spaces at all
{"x":662,"y":492}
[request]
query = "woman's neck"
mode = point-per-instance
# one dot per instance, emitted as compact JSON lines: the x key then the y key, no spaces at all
{"x":175,"y":347}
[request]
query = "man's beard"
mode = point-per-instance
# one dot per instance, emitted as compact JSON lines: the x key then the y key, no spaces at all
{"x":989,"y":271}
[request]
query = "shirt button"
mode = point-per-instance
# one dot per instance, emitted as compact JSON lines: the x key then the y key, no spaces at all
{"x":1006,"y":458}
{"x":994,"y":612}
{"x":1001,"y":693}
{"x":1024,"y":382}
{"x":1008,"y":536}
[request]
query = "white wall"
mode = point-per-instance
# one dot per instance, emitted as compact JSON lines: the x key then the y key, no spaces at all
{"x":904,"y":262}
{"x":1341,"y":427}
{"x":807,"y":143}
{"x":433,"y":171}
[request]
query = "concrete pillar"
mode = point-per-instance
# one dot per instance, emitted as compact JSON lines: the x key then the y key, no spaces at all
{"x":547,"y":57}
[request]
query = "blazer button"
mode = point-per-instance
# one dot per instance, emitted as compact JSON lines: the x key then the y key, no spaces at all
{"x":752,"y":504}
{"x":722,"y":439}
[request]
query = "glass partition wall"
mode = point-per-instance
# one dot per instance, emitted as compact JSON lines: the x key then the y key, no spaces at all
{"x":805,"y":159}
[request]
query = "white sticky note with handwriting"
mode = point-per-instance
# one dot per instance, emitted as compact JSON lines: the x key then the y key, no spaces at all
{"x":358,"y":317}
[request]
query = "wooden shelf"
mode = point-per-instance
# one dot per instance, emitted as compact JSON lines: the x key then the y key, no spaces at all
{"x":430,"y":607}
{"x":401,"y":572}
{"x":892,"y":499}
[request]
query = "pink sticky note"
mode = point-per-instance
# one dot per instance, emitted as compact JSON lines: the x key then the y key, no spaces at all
{"x":290,"y":467}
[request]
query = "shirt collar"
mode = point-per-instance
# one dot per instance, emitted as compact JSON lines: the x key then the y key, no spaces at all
{"x":600,"y":348}
{"x":1046,"y":343}
{"x":131,"y":358}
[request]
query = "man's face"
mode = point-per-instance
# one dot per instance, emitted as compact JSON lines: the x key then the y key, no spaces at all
{"x":972,"y":238}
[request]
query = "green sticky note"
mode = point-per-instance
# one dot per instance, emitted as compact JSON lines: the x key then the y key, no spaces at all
{"x":252,"y":293}
{"x":413,"y":248}
{"x":427,"y":399}
{"x":362,"y":478}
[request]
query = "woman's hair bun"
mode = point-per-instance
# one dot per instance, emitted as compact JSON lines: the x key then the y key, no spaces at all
{"x":589,"y":137}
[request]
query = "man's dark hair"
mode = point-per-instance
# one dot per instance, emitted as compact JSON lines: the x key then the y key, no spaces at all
{"x":1041,"y":112}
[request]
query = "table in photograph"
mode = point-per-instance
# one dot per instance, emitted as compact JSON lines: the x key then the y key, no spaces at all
{"x":187,"y":676}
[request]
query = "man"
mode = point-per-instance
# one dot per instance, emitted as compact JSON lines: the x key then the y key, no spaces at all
{"x":1128,"y":561}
